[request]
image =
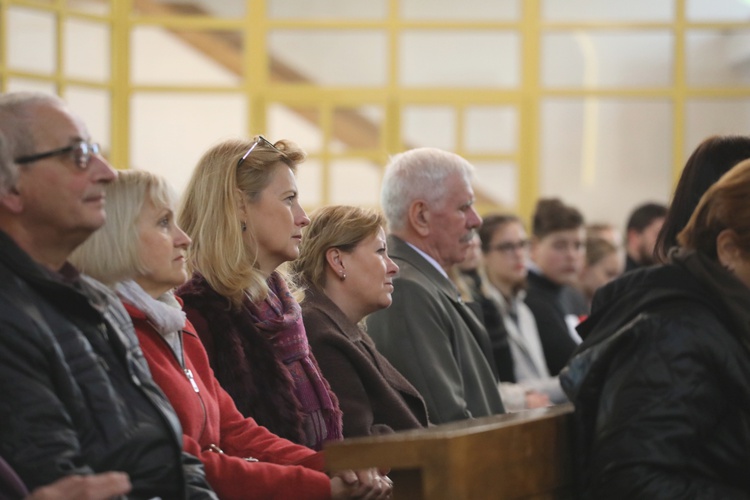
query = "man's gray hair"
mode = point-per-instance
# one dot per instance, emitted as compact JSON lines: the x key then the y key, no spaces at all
{"x":16,"y":131}
{"x":418,"y":174}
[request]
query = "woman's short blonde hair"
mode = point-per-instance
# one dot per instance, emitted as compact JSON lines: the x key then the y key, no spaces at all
{"x":724,"y":206}
{"x":111,"y":253}
{"x":338,"y":226}
{"x":208,"y":213}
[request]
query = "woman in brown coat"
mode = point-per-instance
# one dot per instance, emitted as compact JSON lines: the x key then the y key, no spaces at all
{"x":345,"y":266}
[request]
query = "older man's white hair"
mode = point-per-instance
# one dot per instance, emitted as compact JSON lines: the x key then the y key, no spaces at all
{"x":418,"y":174}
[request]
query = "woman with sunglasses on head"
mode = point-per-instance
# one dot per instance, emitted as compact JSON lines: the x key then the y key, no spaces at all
{"x":242,"y":211}
{"x":347,"y":274}
{"x":140,"y":252}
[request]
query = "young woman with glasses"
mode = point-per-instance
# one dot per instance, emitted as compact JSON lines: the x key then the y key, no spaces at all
{"x":505,"y":246}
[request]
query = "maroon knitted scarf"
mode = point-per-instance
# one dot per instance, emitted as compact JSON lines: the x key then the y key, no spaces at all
{"x":279,"y":318}
{"x":243,"y":360}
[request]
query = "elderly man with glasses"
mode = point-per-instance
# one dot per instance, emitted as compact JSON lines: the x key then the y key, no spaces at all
{"x":77,"y":396}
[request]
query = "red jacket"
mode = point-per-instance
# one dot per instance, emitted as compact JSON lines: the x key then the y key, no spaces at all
{"x":209,"y":417}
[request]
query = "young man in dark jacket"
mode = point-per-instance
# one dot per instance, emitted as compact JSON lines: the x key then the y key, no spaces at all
{"x":77,"y":396}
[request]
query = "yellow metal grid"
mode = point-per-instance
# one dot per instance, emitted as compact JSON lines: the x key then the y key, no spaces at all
{"x":255,"y":83}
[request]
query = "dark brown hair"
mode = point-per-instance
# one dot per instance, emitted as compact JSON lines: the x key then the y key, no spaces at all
{"x":490,"y":224}
{"x":553,"y":215}
{"x":710,"y":160}
{"x":724,"y":206}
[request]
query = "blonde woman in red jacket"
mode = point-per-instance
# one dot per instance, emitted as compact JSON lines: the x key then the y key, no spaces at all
{"x":141,"y":252}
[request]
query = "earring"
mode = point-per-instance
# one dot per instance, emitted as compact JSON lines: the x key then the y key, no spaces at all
{"x":243,"y":226}
{"x":343,"y":275}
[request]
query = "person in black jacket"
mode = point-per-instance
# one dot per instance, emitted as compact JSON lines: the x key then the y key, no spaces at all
{"x":661,"y":383}
{"x":77,"y":395}
{"x":557,"y":255}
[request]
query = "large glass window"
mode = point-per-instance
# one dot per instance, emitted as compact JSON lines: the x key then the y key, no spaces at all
{"x":595,"y":101}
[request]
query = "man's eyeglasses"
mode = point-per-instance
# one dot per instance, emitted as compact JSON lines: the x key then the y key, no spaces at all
{"x":81,"y":151}
{"x":511,"y":247}
{"x":259,"y":140}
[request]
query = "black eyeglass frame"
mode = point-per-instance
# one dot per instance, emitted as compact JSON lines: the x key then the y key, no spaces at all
{"x":88,"y":149}
{"x":511,"y":247}
{"x":260,"y":139}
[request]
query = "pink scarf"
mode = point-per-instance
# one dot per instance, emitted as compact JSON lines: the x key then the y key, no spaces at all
{"x":279,"y":317}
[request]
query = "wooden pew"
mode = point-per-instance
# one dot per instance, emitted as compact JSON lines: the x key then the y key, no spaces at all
{"x":519,"y":455}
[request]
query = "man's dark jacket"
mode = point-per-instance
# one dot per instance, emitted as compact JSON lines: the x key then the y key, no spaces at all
{"x":77,"y":396}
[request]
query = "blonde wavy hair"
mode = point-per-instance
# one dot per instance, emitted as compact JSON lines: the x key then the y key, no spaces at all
{"x":208,"y":213}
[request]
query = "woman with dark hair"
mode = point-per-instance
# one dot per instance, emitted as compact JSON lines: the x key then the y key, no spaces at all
{"x":661,"y":383}
{"x":503,"y":274}
{"x":710,"y":160}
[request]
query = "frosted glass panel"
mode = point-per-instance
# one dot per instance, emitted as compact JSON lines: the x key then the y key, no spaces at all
{"x":93,"y":106}
{"x":310,"y":183}
{"x":328,"y":9}
{"x":179,"y":61}
{"x":452,"y":58}
{"x":605,"y":155}
{"x":608,"y":10}
{"x":26,"y":85}
{"x":465,"y":10}
{"x":87,"y":51}
{"x":96,"y":7}
{"x":355,"y":182}
{"x":717,"y":10}
{"x":715,"y":117}
{"x":433,"y":126}
{"x":357,"y":127}
{"x":297,"y":123}
{"x":718,"y":58}
{"x":606,"y":59}
{"x":31,"y":40}
{"x":183,"y":136}
{"x":496,"y":182}
{"x":490,"y":129}
{"x":325,"y":57}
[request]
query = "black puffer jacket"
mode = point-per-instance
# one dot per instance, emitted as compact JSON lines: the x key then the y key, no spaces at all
{"x":76,"y":396}
{"x":661,"y":386}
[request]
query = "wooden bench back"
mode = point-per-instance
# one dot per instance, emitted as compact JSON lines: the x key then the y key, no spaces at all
{"x":519,"y":455}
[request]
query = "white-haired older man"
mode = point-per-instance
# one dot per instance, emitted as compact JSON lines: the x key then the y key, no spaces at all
{"x":428,"y":333}
{"x":77,"y":395}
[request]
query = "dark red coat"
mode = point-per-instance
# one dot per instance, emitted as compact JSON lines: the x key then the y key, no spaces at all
{"x":374,"y":397}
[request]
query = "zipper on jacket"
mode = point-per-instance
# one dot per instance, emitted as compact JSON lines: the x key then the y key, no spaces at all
{"x":189,"y":374}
